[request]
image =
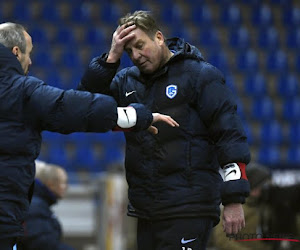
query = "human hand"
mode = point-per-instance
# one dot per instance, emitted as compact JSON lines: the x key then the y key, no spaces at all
{"x":233,"y":218}
{"x":120,"y":37}
{"x":157,"y":117}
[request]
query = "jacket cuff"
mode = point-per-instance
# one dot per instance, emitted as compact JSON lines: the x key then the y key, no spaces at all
{"x":235,"y":191}
{"x":144,"y":117}
{"x":102,"y":61}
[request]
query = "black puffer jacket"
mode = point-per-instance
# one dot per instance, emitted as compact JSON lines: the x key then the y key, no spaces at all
{"x":42,"y":228}
{"x":176,"y":172}
{"x":27,"y":107}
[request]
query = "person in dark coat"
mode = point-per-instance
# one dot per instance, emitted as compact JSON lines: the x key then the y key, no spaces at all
{"x":42,"y":228}
{"x":27,"y":107}
{"x":175,"y":188}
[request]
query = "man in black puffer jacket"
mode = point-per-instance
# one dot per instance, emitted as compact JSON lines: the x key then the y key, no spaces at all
{"x":27,"y":107}
{"x":175,"y":188}
{"x":42,"y":229}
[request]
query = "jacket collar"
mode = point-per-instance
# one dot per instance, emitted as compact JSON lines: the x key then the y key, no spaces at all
{"x":9,"y":62}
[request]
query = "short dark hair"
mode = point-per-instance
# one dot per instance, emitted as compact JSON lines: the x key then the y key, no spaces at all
{"x":143,"y":20}
{"x":12,"y":34}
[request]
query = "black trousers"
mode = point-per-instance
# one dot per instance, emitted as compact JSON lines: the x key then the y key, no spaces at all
{"x":174,"y":234}
{"x":7,"y":243}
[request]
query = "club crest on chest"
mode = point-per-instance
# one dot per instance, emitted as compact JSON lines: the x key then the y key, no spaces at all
{"x":171,"y":91}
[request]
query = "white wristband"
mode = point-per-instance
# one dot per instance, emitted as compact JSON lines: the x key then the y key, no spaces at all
{"x":126,"y":117}
{"x":232,"y":172}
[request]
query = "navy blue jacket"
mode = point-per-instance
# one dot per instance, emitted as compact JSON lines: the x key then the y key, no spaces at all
{"x":176,"y":172}
{"x":27,"y":107}
{"x":42,"y":229}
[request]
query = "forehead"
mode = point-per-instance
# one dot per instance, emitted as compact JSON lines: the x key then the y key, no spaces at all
{"x":140,"y":35}
{"x":28,"y":41}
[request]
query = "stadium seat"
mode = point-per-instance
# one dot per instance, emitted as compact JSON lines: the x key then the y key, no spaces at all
{"x":291,"y":16}
{"x":231,"y":15}
{"x":209,"y":37}
{"x":269,"y":155}
{"x":262,"y":15}
{"x":291,"y":109}
{"x":202,"y":15}
{"x":110,"y":13}
{"x":268,"y":38}
{"x":271,"y":133}
{"x":293,"y":156}
{"x":50,"y":13}
{"x":42,"y":58}
{"x":239,"y":38}
{"x":94,"y":36}
{"x":39,"y":35}
{"x":255,"y":85}
{"x":247,"y":61}
{"x":65,"y":35}
{"x":22,"y":12}
{"x":288,"y":85}
{"x":294,"y":133}
{"x":292,"y":39}
{"x":276,"y":62}
{"x":70,"y":59}
{"x":218,"y":59}
{"x":263,"y":109}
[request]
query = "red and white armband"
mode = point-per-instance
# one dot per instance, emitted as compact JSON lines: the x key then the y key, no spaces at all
{"x":234,"y":171}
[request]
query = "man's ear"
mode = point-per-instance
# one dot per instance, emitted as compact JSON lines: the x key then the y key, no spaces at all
{"x":160,"y":37}
{"x":16,"y":51}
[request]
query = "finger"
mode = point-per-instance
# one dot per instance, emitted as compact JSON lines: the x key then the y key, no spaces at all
{"x":125,"y":30}
{"x":235,"y":228}
{"x":153,"y":130}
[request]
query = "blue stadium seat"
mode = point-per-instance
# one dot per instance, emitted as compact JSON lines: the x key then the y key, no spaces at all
{"x":291,"y":16}
{"x":255,"y":85}
{"x":271,"y":133}
{"x":262,"y":15}
{"x":39,"y":35}
{"x":42,"y":57}
{"x":209,"y":37}
{"x":293,"y":156}
{"x":268,"y":38}
{"x":70,"y":59}
{"x":231,"y":15}
{"x":263,"y":109}
{"x":239,"y":38}
{"x":22,"y":12}
{"x":50,"y":13}
{"x":269,"y":155}
{"x":291,"y":109}
{"x":276,"y":62}
{"x":95,"y":36}
{"x":218,"y":59}
{"x":202,"y":15}
{"x":65,"y":35}
{"x":58,"y":155}
{"x":288,"y":85}
{"x":294,"y":133}
{"x":110,"y":13}
{"x":292,"y":39}
{"x":54,"y":79}
{"x":247,"y":61}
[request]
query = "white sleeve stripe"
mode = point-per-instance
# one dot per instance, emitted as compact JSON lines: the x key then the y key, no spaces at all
{"x":126,"y":117}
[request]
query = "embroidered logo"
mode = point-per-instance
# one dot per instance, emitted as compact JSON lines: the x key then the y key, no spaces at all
{"x":171,"y":91}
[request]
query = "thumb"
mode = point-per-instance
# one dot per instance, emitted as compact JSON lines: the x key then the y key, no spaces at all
{"x":153,"y":130}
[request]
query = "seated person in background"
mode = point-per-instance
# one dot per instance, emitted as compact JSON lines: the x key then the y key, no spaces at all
{"x":42,"y":229}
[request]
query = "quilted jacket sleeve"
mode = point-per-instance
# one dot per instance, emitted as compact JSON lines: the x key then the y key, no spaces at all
{"x":70,"y":111}
{"x":218,"y":109}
